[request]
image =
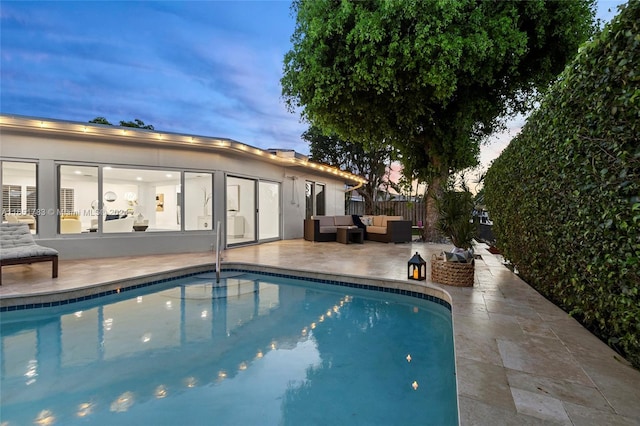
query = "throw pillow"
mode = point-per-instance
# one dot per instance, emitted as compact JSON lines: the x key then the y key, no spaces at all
{"x":455,"y":257}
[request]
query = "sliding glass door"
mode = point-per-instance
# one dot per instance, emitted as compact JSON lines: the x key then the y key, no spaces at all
{"x":241,"y":210}
{"x":269,"y":210}
{"x":252,"y":210}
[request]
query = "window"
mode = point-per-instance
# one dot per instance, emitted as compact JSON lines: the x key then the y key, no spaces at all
{"x":20,"y":192}
{"x":241,"y":210}
{"x":11,"y":199}
{"x":132,"y":199}
{"x":150,"y":200}
{"x":308,"y":195}
{"x":32,"y":199}
{"x":198,"y":201}
{"x":78,"y":198}
{"x":66,"y":200}
{"x":315,"y":199}
{"x":320,"y":204}
{"x":269,"y":210}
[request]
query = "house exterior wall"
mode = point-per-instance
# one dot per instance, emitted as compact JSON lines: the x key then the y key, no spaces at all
{"x":50,"y":150}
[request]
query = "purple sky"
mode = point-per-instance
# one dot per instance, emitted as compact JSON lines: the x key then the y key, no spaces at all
{"x":208,"y":68}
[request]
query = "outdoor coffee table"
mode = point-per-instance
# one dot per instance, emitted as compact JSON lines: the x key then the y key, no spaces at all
{"x":348,"y":235}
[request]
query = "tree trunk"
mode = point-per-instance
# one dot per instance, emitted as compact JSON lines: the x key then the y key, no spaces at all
{"x":430,"y":233}
{"x":368,"y":200}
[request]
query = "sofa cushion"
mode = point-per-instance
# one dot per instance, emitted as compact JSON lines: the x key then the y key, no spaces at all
{"x":386,"y":219}
{"x":343,"y":220}
{"x":70,"y":226}
{"x":377,"y":220}
{"x":367,"y":220}
{"x":17,"y":242}
{"x":327,"y":229}
{"x":324,"y":221}
{"x":377,"y":229}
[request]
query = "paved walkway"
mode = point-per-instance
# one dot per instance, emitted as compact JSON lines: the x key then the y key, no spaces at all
{"x":520,"y":360}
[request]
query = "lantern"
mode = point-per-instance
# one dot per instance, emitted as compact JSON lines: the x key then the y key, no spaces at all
{"x":417,"y":268}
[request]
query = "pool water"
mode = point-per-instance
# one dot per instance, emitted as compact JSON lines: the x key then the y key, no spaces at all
{"x":251,"y":350}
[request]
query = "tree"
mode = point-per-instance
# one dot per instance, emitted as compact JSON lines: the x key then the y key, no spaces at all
{"x":136,"y":123}
{"x":100,"y":120}
{"x":371,"y":164}
{"x":432,"y":79}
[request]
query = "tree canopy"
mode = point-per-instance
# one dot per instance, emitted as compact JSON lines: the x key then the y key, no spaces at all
{"x":137,"y":123}
{"x":101,"y":120}
{"x":372,"y":165}
{"x":431,"y":78}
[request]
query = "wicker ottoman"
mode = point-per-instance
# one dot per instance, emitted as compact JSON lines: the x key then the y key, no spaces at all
{"x":457,"y":274}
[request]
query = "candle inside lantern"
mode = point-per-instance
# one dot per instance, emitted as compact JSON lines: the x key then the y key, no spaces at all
{"x":415,"y":273}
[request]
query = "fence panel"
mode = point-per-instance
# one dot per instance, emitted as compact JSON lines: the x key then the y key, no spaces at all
{"x":415,"y":212}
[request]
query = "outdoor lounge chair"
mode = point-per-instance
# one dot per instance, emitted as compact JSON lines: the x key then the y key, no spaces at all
{"x":18,"y":247}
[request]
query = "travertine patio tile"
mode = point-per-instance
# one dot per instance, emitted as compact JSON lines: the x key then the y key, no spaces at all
{"x":540,"y":406}
{"x":618,"y":382}
{"x":477,"y":413}
{"x":494,"y":327}
{"x":587,"y":396}
{"x":578,"y":339}
{"x":536,"y":328}
{"x":483,"y":382}
{"x":476,"y":347}
{"x":475,"y":310}
{"x":509,"y":308}
{"x":587,"y":416}
{"x":542,"y":357}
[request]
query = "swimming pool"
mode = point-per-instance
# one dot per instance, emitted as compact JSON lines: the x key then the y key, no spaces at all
{"x":251,"y":350}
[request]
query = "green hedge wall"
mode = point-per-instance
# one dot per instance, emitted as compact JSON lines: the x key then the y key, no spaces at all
{"x":565,"y":194}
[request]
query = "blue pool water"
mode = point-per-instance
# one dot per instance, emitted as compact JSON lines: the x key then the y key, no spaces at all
{"x":251,"y":350}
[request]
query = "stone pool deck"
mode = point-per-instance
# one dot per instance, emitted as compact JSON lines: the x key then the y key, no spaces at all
{"x":520,"y":360}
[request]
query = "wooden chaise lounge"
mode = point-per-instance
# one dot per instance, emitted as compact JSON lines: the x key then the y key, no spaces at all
{"x":18,"y":247}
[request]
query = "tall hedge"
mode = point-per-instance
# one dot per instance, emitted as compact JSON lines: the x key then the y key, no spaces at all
{"x":565,"y":194}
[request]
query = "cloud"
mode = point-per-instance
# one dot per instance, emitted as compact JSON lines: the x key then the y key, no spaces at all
{"x":210,"y":68}
{"x":207,"y":68}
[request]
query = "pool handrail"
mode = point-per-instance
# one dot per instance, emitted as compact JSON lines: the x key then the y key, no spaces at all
{"x":218,"y":252}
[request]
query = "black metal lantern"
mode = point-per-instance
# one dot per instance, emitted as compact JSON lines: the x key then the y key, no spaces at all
{"x":417,"y":268}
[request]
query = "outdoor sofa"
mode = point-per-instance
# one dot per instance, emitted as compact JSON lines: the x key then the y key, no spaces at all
{"x":17,"y":247}
{"x":382,"y":228}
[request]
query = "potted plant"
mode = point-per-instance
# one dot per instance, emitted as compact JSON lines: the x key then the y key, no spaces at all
{"x":455,"y":222}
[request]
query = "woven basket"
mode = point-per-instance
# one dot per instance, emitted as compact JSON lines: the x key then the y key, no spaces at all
{"x":451,"y":273}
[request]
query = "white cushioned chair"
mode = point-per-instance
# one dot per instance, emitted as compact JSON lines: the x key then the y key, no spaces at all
{"x":119,"y":225}
{"x":70,"y":224}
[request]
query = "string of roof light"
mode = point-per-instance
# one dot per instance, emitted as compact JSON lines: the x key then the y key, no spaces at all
{"x":136,"y":134}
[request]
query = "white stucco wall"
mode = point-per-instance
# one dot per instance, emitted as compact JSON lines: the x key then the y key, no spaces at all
{"x":50,"y":150}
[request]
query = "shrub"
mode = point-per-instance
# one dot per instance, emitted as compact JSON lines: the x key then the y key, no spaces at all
{"x":565,"y":194}
{"x":454,"y":217}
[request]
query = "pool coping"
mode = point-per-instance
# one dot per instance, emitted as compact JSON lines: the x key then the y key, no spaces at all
{"x":47,"y":299}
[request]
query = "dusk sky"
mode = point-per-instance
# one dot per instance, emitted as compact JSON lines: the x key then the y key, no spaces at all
{"x":209,"y":68}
